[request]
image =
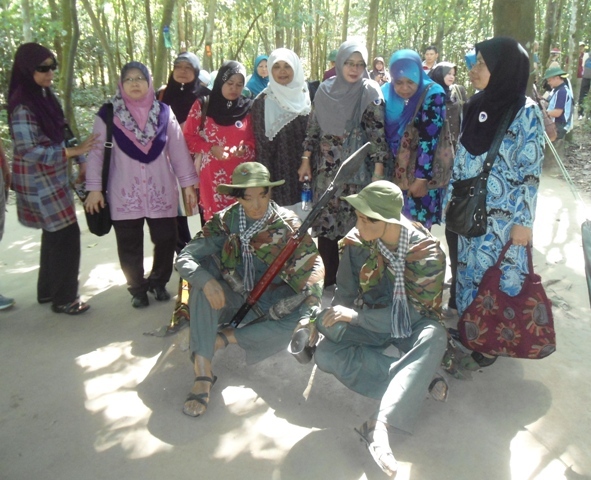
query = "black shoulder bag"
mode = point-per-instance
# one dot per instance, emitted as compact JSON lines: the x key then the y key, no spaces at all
{"x":100,"y":223}
{"x":466,"y":213}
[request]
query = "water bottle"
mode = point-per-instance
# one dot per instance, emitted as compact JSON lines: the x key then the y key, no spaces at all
{"x":306,"y":194}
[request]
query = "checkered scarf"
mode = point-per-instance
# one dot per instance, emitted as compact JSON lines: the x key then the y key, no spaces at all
{"x":245,"y":237}
{"x":401,"y":327}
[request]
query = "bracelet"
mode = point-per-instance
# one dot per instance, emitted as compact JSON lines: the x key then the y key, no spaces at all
{"x":305,"y":158}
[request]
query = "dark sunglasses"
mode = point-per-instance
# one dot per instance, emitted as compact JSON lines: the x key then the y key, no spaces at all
{"x":45,"y":68}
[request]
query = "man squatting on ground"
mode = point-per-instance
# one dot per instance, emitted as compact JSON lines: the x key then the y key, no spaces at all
{"x":246,"y":237}
{"x":389,"y":289}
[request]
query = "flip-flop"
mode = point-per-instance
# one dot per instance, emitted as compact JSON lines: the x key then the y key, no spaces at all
{"x":202,"y":398}
{"x":378,"y":451}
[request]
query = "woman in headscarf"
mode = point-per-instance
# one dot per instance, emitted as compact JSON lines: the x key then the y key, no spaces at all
{"x":348,"y":110}
{"x":219,"y":132}
{"x":444,"y":74}
{"x":148,"y":157}
{"x":500,"y":73}
{"x":260,"y":77}
{"x":280,"y":118}
{"x":379,"y":72}
{"x":181,"y":91}
{"x":40,"y":175}
{"x":406,"y":102}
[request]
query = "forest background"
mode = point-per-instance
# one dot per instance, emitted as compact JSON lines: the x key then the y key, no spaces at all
{"x":93,"y":39}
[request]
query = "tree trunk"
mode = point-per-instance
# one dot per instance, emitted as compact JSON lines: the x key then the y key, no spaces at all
{"x":149,"y":34}
{"x":71,"y":27}
{"x":515,"y":18}
{"x":209,"y":31}
{"x":54,"y":11}
{"x":101,"y":35}
{"x":161,"y":70}
{"x":344,"y":30}
{"x":372,"y":27}
{"x":129,"y":38}
{"x":26,"y":16}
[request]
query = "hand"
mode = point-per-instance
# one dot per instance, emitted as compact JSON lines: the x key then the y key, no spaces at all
{"x":336,"y":314}
{"x":218,"y":152}
{"x":305,"y":170}
{"x":94,"y":202}
{"x":191,"y":195}
{"x":85,"y":147}
{"x":215,"y":294}
{"x":520,"y":235}
{"x":240,"y":150}
{"x":418,"y":188}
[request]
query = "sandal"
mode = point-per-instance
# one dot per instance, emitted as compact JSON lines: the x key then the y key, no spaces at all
{"x":74,"y":308}
{"x":382,"y":454}
{"x":202,"y":398}
{"x":438,"y":388}
{"x":222,"y":335}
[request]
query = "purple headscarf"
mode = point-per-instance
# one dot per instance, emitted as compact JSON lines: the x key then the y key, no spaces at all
{"x":23,"y":90}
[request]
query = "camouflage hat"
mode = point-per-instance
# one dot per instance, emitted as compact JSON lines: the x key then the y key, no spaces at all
{"x":381,"y":200}
{"x":249,"y":175}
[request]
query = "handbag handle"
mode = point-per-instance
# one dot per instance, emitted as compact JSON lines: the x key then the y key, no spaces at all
{"x":530,"y":261}
{"x":108,"y":146}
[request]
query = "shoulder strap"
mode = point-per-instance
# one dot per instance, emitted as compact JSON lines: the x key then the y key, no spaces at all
{"x":108,"y":145}
{"x":496,"y":144}
{"x":421,"y":100}
{"x":204,"y":106}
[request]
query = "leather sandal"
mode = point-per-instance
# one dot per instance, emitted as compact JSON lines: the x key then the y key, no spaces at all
{"x":438,"y":388}
{"x":382,"y":454}
{"x":224,"y":338}
{"x":73,"y":308}
{"x":202,"y":398}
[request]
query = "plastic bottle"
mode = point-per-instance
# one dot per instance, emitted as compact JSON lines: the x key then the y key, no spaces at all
{"x":306,"y":194}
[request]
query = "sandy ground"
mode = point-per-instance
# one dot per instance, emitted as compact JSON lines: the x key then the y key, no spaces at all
{"x":91,"y":397}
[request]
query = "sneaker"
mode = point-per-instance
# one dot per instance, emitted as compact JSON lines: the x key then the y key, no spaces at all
{"x":6,"y":302}
{"x":140,"y":300}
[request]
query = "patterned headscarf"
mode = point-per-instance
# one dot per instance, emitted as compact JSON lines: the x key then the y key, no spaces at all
{"x":246,"y":235}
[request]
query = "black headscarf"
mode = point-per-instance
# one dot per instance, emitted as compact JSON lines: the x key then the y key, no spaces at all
{"x":438,"y":75}
{"x":23,"y":90}
{"x":223,"y":111}
{"x":181,"y":96}
{"x":508,"y":64}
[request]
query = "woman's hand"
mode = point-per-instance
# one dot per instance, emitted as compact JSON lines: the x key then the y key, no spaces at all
{"x":94,"y":202}
{"x":214,"y":293}
{"x":218,"y":152}
{"x":418,"y":188}
{"x":85,"y":147}
{"x":305,"y":170}
{"x":190,"y":195}
{"x":521,"y":235}
{"x":338,"y":313}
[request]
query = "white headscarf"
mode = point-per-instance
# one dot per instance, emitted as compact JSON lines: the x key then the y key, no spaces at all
{"x":285,"y":102}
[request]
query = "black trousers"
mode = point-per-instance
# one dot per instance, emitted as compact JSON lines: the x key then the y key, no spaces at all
{"x":59,"y":265}
{"x":585,"y":84}
{"x":452,"y":247}
{"x":329,"y":251}
{"x":130,"y":247}
{"x":183,"y":233}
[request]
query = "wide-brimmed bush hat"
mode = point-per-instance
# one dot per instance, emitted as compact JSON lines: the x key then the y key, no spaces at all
{"x":554,"y":72}
{"x":381,"y":200}
{"x":249,"y":175}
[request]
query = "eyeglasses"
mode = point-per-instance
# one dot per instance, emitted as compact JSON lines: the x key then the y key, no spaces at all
{"x":131,"y":80}
{"x":351,"y":64}
{"x":45,"y":68}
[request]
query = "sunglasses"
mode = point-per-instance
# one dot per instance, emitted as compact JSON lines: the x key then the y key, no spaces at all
{"x":45,"y":68}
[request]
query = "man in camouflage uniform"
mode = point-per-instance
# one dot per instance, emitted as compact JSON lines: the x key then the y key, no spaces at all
{"x":245,"y":237}
{"x":389,"y":289}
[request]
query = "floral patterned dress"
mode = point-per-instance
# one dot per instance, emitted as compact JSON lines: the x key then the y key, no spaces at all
{"x":212,"y":171}
{"x":429,"y":121}
{"x":328,"y":152}
{"x":511,"y":200}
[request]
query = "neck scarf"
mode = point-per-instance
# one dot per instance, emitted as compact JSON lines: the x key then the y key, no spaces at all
{"x":285,"y":102}
{"x":508,"y":64}
{"x":401,"y":326}
{"x":181,"y":96}
{"x":400,"y":112}
{"x":223,"y":111}
{"x":23,"y":90}
{"x":257,"y":84}
{"x":245,"y":237}
{"x":336,"y":99}
{"x":438,"y":76}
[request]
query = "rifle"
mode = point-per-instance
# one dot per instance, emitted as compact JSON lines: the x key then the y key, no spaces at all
{"x":345,"y":172}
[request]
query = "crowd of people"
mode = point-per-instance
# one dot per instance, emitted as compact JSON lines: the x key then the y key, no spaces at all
{"x":236,"y":151}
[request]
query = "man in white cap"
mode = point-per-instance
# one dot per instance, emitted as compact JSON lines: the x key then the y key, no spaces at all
{"x":389,"y":289}
{"x":245,"y":237}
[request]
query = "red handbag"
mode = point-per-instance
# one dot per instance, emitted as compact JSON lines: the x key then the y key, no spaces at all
{"x":498,"y":324}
